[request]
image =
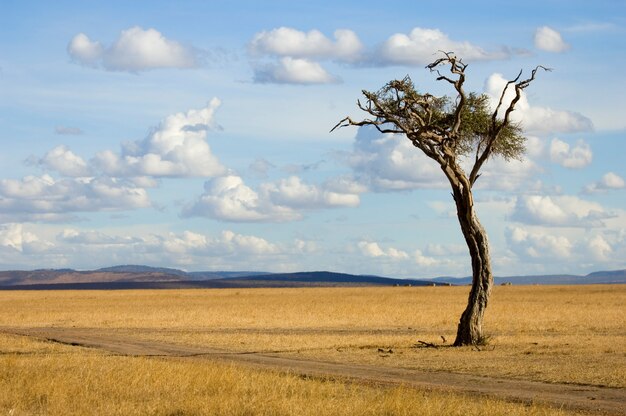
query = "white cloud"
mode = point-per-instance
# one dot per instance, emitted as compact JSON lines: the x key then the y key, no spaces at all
{"x":82,"y":50}
{"x":422,"y":260}
{"x":576,"y":157}
{"x":421,"y":46}
{"x":372,"y":249}
{"x":500,"y":174}
{"x":534,"y":118}
{"x":609,"y":181}
{"x":559,"y":211}
{"x":389,"y":162}
{"x":64,"y":161}
{"x":548,"y":39}
{"x":136,"y":49}
{"x":299,"y":53}
{"x":177,"y":148}
{"x":15,"y":237}
{"x":538,"y":245}
{"x":184,"y":248}
{"x":293,"y":71}
{"x":446,"y":250}
{"x":247,"y":244}
{"x":599,"y":248}
{"x":228,"y":198}
{"x":289,"y":42}
{"x":612,"y":181}
{"x":73,"y":236}
{"x":294,"y":193}
{"x":34,"y":197}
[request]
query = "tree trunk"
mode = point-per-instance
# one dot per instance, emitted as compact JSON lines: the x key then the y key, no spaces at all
{"x":470,"y":331}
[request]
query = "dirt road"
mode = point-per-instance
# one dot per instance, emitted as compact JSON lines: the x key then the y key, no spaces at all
{"x":597,"y":400}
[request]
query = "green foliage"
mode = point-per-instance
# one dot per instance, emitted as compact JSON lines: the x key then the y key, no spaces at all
{"x":431,"y":120}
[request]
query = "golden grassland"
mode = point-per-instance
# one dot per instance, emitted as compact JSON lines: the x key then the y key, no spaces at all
{"x":42,"y":378}
{"x":566,"y":334}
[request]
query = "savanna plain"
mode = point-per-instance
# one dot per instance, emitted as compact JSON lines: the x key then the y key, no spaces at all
{"x":572,"y":335}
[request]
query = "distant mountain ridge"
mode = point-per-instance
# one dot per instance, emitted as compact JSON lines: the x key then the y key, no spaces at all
{"x":139,"y":276}
{"x":601,"y":277}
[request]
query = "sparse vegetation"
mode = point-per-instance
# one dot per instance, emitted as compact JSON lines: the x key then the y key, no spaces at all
{"x":566,"y":334}
{"x":41,"y":378}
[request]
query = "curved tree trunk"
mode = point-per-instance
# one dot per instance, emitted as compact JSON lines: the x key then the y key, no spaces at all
{"x":470,"y":330}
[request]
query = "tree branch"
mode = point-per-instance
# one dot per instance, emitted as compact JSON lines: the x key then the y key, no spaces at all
{"x":497,"y":126}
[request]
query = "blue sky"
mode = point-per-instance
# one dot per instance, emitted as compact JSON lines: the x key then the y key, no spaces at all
{"x":195,"y":134}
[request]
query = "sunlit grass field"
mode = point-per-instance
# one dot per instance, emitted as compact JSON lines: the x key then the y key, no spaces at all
{"x":38,"y":378}
{"x":566,"y":334}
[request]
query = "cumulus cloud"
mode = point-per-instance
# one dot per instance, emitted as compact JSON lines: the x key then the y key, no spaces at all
{"x":599,"y":248}
{"x":187,"y":244}
{"x":293,"y":43}
{"x":500,"y":174}
{"x":136,"y":49}
{"x":176,"y":148}
{"x":389,"y":162}
{"x":292,"y":192}
{"x":15,"y":237}
{"x":609,"y":181}
{"x":85,"y":51}
{"x":538,"y":245}
{"x":548,"y":39}
{"x":423,"y":260}
{"x":559,"y":211}
{"x":247,"y":244}
{"x":33,"y":197}
{"x":293,"y":71}
{"x":576,"y":157}
{"x":296,"y":54}
{"x":534,"y":118}
{"x":433,"y":249}
{"x":64,"y":161}
{"x":228,"y":198}
{"x":73,"y":236}
{"x":421,"y":46}
{"x":372,"y":249}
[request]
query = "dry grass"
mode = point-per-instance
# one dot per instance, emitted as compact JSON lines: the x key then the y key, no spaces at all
{"x":41,"y":378}
{"x":568,"y":334}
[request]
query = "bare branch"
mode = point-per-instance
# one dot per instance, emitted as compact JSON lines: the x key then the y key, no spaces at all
{"x":498,"y":126}
{"x":349,"y":122}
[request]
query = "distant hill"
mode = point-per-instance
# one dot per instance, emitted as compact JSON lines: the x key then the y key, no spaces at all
{"x":132,"y":268}
{"x":322,"y":278}
{"x":137,"y":277}
{"x":222,"y":275}
{"x":11,"y":278}
{"x":603,"y":277}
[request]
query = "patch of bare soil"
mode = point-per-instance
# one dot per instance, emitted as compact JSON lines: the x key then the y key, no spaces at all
{"x":593,"y":399}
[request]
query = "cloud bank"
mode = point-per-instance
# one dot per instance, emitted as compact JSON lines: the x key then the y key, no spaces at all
{"x":135,"y":50}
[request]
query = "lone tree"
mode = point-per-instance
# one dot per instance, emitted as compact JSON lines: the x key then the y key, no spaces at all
{"x":448,"y":130}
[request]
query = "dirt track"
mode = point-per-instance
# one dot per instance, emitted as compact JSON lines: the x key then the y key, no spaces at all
{"x":598,"y":400}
